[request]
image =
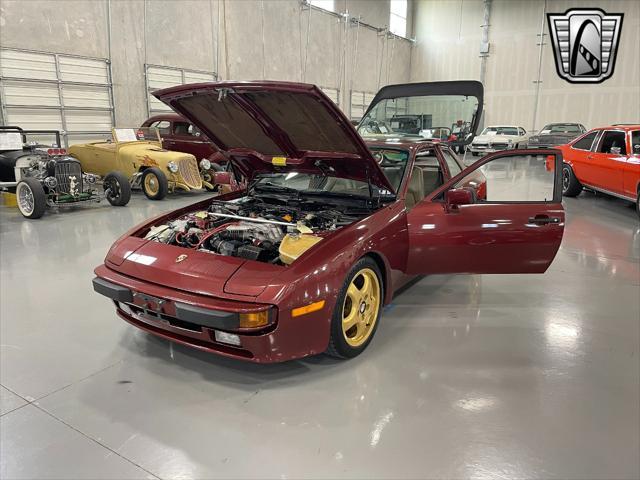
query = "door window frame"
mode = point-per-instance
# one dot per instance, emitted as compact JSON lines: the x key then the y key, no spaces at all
{"x":438,"y":194}
{"x":595,"y":140}
{"x":601,"y":138}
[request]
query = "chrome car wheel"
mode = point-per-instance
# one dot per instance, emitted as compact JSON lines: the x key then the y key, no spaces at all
{"x":26,"y":202}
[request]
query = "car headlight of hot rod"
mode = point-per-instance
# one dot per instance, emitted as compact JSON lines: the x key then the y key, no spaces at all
{"x":173,"y":167}
{"x":205,"y":164}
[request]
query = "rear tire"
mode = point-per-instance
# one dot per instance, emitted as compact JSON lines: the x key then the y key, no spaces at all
{"x":357,"y":312}
{"x":32,"y":201}
{"x":571,"y":186}
{"x":154,"y":183}
{"x":117,"y":189}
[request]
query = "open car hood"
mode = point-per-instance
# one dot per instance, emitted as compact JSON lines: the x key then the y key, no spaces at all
{"x":266,"y":127}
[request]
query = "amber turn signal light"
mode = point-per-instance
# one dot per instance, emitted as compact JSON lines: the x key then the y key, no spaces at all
{"x":313,"y":307}
{"x":254,"y":319}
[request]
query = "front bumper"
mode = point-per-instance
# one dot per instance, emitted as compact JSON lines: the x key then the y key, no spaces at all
{"x":489,"y":148}
{"x":193,"y":320}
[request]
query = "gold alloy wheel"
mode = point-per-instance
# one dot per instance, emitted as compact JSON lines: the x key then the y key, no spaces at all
{"x":151,"y":184}
{"x":361,"y":307}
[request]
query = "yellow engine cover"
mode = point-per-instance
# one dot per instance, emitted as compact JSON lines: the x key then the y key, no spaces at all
{"x":292,"y":246}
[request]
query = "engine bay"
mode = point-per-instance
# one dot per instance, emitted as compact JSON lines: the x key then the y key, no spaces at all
{"x":269,"y":229}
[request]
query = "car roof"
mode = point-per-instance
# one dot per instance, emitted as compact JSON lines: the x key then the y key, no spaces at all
{"x":174,"y":117}
{"x":620,"y":126}
{"x":503,"y":126}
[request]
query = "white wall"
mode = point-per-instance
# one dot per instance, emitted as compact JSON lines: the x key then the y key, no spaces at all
{"x":225,"y":36}
{"x":448,"y":34}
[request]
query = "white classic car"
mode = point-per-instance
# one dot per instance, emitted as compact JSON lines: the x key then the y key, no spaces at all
{"x":497,"y":138}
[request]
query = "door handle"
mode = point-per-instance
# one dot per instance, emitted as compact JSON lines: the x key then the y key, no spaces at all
{"x":543,"y":220}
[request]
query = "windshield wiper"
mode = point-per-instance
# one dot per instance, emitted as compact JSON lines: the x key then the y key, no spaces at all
{"x":274,"y":187}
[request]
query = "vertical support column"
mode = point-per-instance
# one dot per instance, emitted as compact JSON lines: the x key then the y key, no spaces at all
{"x":538,"y":81}
{"x":112,"y":103}
{"x":61,"y":101}
{"x":484,"y":42}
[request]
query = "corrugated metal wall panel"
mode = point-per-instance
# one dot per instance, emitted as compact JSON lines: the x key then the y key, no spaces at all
{"x":332,"y":93}
{"x":88,"y":121}
{"x":34,"y":118}
{"x":158,"y":77}
{"x":359,"y":103}
{"x":83,"y":70}
{"x":19,"y":64}
{"x":30,"y":94}
{"x":198,"y":77}
{"x":85,"y":96}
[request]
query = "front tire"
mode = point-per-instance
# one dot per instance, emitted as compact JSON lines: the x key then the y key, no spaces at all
{"x":32,"y":201}
{"x":571,"y":186}
{"x":357,"y":312}
{"x":154,"y":183}
{"x":117,"y":189}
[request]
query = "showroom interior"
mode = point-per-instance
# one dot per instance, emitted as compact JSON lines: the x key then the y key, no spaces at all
{"x":380,"y":334}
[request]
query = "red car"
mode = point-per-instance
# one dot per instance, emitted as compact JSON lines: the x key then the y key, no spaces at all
{"x":605,"y":159}
{"x":330,"y":226}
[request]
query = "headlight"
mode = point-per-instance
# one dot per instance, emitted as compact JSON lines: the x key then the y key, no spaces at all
{"x":205,"y":164}
{"x":51,"y":182}
{"x":90,"y":178}
{"x":173,"y":167}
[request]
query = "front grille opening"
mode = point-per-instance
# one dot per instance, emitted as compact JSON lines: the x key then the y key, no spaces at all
{"x":173,"y":321}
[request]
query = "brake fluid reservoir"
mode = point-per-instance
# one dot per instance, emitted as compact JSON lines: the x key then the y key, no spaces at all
{"x":294,"y":245}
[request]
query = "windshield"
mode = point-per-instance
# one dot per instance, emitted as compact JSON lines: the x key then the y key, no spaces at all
{"x":138,"y":134}
{"x":500,"y":131}
{"x":392,"y":162}
{"x":561,"y":128}
{"x":418,"y":115}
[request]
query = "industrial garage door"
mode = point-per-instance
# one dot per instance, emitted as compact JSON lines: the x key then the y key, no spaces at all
{"x":332,"y":93}
{"x":41,"y":90}
{"x":359,"y":103}
{"x":158,"y":77}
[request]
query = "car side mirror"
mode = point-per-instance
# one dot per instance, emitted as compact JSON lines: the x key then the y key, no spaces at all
{"x":458,"y":196}
{"x":222,"y":178}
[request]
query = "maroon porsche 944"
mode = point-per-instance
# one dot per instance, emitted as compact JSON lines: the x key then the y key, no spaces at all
{"x":333,"y":221}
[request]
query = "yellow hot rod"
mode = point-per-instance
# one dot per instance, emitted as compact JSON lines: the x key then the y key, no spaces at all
{"x":138,"y":153}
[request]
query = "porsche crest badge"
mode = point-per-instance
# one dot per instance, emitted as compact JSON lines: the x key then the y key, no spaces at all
{"x":180,"y":258}
{"x":585,"y":43}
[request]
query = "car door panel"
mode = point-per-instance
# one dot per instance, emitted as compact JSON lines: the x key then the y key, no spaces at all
{"x":487,"y":236}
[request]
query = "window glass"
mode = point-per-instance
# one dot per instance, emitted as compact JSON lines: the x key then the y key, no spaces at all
{"x":181,"y":128}
{"x":324,"y":4}
{"x":452,"y":163}
{"x":562,"y":128}
{"x":398,"y":17}
{"x":516,"y":178}
{"x":429,"y":115}
{"x":585,"y":142}
{"x":393,"y":164}
{"x":162,"y":126}
{"x":613,"y":142}
{"x":635,"y":142}
{"x":500,"y":131}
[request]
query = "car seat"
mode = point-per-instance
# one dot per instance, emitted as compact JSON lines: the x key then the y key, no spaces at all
{"x":415,"y":191}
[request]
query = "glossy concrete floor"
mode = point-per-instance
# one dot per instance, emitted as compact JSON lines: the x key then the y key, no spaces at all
{"x":468,"y":376}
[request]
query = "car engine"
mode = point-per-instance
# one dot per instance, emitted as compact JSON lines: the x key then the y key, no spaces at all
{"x":255,"y":229}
